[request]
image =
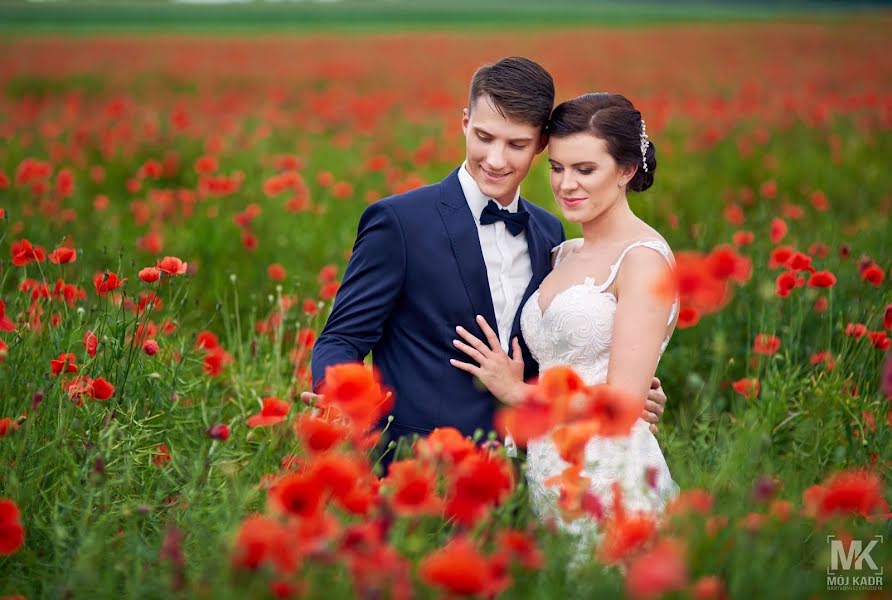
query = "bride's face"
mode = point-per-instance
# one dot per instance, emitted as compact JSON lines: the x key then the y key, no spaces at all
{"x":585,"y":179}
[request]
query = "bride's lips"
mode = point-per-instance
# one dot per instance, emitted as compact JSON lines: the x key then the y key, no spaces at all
{"x":572,"y":202}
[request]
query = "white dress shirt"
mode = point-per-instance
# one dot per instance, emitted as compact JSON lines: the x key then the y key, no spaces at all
{"x":507,"y":258}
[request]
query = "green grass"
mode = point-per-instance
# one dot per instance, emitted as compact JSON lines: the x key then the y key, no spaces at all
{"x":356,"y":15}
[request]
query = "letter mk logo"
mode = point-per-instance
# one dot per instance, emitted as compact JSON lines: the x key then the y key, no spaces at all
{"x":856,"y":553}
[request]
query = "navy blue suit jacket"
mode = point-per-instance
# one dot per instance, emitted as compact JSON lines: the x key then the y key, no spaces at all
{"x":416,"y":272}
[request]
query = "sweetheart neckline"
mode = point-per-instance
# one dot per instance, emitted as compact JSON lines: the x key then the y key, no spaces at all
{"x":588,"y":281}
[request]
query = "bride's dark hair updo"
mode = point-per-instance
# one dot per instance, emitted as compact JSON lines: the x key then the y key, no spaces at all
{"x":613,"y":118}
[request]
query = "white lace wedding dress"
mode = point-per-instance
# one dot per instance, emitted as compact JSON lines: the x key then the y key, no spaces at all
{"x":576,"y":330}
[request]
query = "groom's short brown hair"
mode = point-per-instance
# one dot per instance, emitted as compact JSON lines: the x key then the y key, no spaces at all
{"x":520,"y":89}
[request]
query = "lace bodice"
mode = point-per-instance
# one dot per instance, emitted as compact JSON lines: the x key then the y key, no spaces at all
{"x":576,"y":328}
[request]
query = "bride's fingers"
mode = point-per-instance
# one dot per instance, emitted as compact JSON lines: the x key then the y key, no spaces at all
{"x":468,"y":350}
{"x":472,"y":369}
{"x":471,"y":339}
{"x":491,"y":336}
{"x":516,"y":354}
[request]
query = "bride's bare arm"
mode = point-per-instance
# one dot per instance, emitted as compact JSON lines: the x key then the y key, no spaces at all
{"x":639,"y":326}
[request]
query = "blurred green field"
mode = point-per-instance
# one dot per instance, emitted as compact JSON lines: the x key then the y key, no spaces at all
{"x":18,"y":16}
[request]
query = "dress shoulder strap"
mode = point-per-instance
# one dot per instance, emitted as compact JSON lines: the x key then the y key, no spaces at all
{"x":657,"y":245}
{"x":560,"y":250}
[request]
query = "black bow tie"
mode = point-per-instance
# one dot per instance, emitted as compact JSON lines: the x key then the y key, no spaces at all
{"x":515,"y":222}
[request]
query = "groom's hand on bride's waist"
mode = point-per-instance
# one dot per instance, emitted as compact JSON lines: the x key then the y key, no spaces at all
{"x":654,"y":405}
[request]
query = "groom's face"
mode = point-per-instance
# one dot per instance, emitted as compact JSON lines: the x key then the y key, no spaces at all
{"x":499,"y":149}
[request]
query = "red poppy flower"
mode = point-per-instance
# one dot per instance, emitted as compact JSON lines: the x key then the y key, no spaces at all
{"x":161,"y":456}
{"x":659,"y":571}
{"x":102,"y":389}
{"x":356,"y":390}
{"x":624,"y":534}
{"x":206,"y":340}
{"x":318,"y":435}
{"x":478,"y":483}
{"x":215,"y":360}
{"x":412,"y":488}
{"x":615,"y":411}
{"x":822,"y":279}
{"x":5,"y":323}
{"x":171,"y":265}
{"x":24,"y":253}
{"x":748,"y":387}
{"x":856,"y":330}
{"x":846,"y":493}
{"x":522,"y":547}
{"x":90,"y":342}
{"x":261,"y":539}
{"x":823,"y":357}
{"x":691,"y":501}
{"x":743,"y":238}
{"x":873,"y":275}
{"x":444,"y":443}
{"x":688,"y":316}
{"x":274,"y":411}
{"x":298,"y":494}
{"x":106,"y":282}
{"x":12,"y":534}
{"x":780,"y":256}
{"x":150,"y":347}
{"x":66,"y":363}
{"x":778,"y":230}
{"x":329,"y":290}
{"x":150,"y":274}
{"x":887,"y":317}
{"x":460,"y":568}
{"x":328,"y":273}
{"x":276,"y":272}
{"x":766,"y":344}
{"x":880,"y":340}
{"x":63,"y":255}
{"x":220,"y":431}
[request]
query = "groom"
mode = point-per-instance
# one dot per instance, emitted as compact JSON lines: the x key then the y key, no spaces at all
{"x":435,"y":257}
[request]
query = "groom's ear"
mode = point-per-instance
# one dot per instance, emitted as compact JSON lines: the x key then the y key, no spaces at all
{"x":543,"y":142}
{"x":465,"y":120}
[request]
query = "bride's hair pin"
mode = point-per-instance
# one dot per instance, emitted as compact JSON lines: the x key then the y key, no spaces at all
{"x":644,"y":144}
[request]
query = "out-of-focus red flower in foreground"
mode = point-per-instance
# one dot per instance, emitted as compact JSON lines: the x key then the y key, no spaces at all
{"x":12,"y":534}
{"x":660,"y":570}
{"x":853,"y":492}
{"x":412,"y":487}
{"x":274,"y":411}
{"x":356,"y":391}
{"x":460,"y":568}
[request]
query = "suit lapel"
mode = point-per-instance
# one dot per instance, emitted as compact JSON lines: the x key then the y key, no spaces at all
{"x":462,"y":231}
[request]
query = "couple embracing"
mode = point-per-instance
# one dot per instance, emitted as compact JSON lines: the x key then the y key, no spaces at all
{"x":463,"y":282}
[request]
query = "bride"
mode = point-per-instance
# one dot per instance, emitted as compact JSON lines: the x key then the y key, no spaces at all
{"x":596,"y":310}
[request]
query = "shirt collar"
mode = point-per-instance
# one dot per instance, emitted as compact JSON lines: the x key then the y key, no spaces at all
{"x":476,"y":200}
